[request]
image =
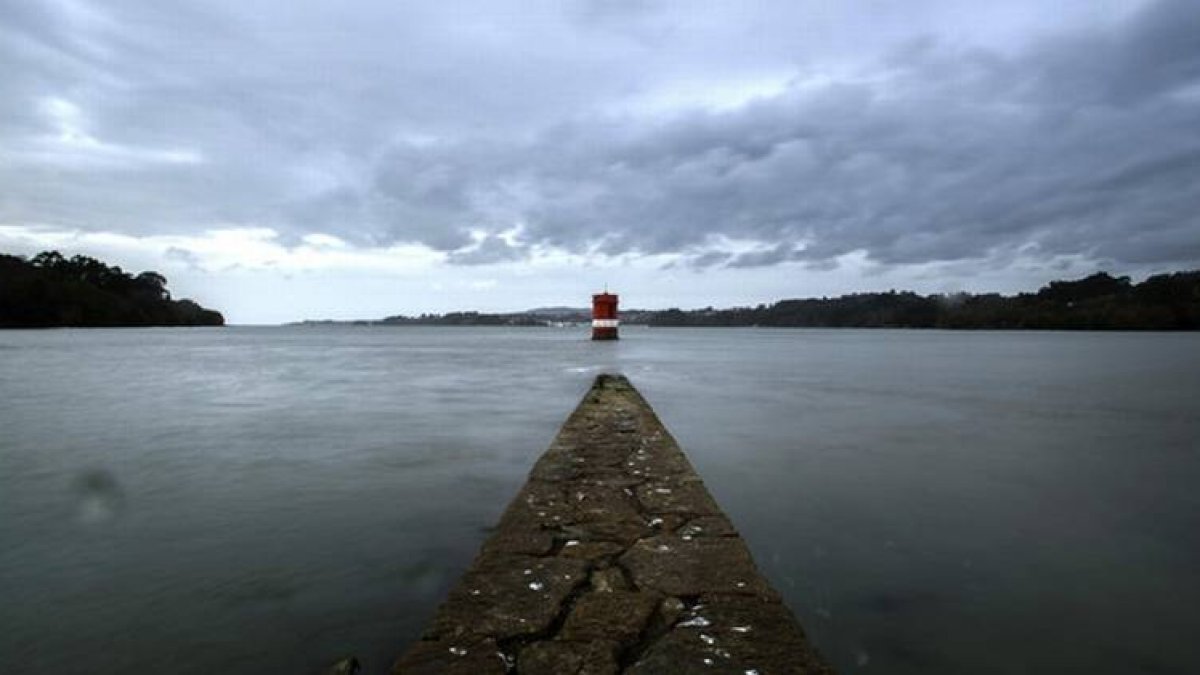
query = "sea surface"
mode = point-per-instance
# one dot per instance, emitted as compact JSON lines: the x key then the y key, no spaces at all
{"x":267,"y":500}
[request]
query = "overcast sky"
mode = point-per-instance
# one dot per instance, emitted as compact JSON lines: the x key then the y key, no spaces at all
{"x":315,"y":159}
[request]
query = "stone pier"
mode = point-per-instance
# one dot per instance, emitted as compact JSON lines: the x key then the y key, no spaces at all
{"x":613,"y":558}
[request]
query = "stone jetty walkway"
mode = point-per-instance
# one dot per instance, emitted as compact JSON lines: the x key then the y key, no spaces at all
{"x":612,"y":559}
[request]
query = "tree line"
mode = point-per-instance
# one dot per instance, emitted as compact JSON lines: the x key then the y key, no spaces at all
{"x":1097,"y":302}
{"x":51,"y":290}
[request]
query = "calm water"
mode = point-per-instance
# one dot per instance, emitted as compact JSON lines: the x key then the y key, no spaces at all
{"x":266,"y":500}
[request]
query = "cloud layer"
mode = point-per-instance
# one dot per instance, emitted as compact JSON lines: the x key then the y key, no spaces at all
{"x":797,"y":133}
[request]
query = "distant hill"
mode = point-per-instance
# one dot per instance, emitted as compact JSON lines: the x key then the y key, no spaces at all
{"x":51,"y":291}
{"x":1097,"y":302}
{"x":559,"y":311}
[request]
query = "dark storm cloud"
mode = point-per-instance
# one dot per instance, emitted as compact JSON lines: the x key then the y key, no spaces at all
{"x":1153,"y":54}
{"x":449,"y":128}
{"x":1085,"y":145}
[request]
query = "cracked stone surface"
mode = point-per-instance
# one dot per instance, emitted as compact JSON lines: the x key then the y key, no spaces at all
{"x":613,"y":558}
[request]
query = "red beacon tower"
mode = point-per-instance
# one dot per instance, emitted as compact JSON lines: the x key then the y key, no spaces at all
{"x":604,"y":316}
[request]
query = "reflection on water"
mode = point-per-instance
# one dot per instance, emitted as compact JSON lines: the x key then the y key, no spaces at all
{"x":270,"y":500}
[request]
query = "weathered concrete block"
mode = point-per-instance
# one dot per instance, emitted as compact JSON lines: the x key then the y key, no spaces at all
{"x":590,"y":550}
{"x":677,"y":496}
{"x":613,"y":558}
{"x":503,"y":597}
{"x":732,"y":634}
{"x":682,"y":567}
{"x":708,"y":526}
{"x":616,"y":615}
{"x":574,"y":658}
{"x":609,"y":580}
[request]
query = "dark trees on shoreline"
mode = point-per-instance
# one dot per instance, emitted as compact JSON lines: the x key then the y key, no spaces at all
{"x":1097,"y":302}
{"x":51,"y":291}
